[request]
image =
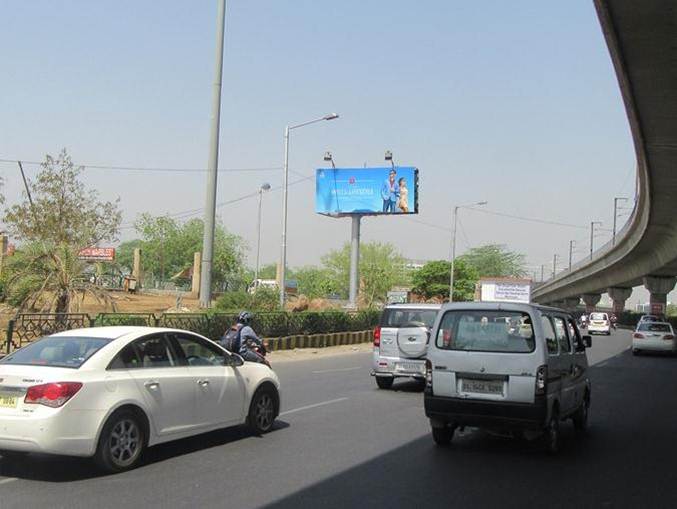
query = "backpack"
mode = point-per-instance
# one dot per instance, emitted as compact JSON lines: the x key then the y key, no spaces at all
{"x":231,"y":340}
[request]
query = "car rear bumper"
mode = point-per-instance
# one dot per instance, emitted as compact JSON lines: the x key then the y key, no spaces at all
{"x":485,"y":414}
{"x":66,"y":433}
{"x":397,"y":367}
{"x":654,"y":345}
{"x":598,"y":328}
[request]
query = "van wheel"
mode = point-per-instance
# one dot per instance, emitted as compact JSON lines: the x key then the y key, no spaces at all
{"x":443,"y":436}
{"x":581,"y":416}
{"x":384,"y":382}
{"x":551,"y":436}
{"x":121,"y":443}
{"x":13,"y":455}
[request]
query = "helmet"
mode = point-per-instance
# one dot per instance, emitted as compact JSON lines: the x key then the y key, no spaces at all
{"x":244,"y":318}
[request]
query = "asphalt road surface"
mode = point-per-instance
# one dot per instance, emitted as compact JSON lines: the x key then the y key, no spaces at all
{"x":341,"y":442}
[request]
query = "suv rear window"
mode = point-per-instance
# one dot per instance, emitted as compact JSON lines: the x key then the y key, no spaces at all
{"x":57,"y":351}
{"x":394,"y":317}
{"x":486,"y":331}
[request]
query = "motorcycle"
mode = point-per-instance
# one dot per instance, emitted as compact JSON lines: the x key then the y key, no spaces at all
{"x":260,"y":350}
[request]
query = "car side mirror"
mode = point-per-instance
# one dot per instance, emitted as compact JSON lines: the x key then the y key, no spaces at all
{"x":233,"y":360}
{"x":587,"y":341}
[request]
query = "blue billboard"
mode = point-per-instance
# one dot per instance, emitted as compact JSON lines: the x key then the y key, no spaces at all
{"x":366,"y":191}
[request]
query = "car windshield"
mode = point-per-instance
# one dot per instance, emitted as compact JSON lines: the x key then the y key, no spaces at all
{"x":655,"y":327}
{"x":649,"y":318}
{"x":393,"y":317}
{"x":57,"y":351}
{"x":486,"y":331}
{"x":598,"y":316}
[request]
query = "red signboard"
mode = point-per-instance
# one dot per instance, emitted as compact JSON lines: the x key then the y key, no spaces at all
{"x":99,"y":254}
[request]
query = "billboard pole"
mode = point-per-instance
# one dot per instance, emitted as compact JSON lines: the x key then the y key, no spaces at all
{"x":354,"y":261}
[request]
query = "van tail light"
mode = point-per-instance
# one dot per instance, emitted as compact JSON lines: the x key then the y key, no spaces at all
{"x":541,"y":379}
{"x":638,"y":335}
{"x":428,"y":373}
{"x":52,"y":395}
{"x":668,"y":336}
{"x":377,"y":336}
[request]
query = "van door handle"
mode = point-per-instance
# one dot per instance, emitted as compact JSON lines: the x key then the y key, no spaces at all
{"x":152,"y":384}
{"x":203,"y":383}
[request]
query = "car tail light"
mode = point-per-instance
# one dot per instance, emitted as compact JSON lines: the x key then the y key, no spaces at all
{"x":52,"y":395}
{"x":638,"y":335}
{"x":377,"y":336}
{"x":668,"y":336}
{"x":428,"y":373}
{"x":541,"y":379}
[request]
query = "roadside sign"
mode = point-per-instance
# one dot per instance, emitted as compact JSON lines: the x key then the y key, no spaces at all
{"x":97,"y":254}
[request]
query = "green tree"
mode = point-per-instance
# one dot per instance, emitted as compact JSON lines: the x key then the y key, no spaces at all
{"x":124,"y":254}
{"x":314,"y":282}
{"x":380,"y":268}
{"x":432,"y":280}
{"x":495,"y":260}
{"x":64,"y":212}
{"x":269,"y":271}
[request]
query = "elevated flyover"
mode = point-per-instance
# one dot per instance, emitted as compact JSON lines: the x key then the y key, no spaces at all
{"x":642,"y":41}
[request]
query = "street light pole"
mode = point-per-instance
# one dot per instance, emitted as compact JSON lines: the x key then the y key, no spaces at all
{"x":571,"y":251}
{"x":453,"y":244}
{"x":212,"y":165}
{"x":592,"y":235}
{"x":554,"y":264}
{"x":616,"y":200}
{"x":264,"y":187}
{"x":285,"y":192}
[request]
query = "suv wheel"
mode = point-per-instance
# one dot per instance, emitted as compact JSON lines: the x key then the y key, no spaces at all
{"x":581,"y":416}
{"x":384,"y":382}
{"x":551,"y":436}
{"x":443,"y":436}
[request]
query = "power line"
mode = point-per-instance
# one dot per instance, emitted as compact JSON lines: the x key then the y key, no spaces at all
{"x":530,"y":219}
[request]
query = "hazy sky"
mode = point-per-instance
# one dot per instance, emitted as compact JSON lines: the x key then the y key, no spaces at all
{"x":515,"y":103}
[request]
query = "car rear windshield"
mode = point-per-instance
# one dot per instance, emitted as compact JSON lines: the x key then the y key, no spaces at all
{"x":393,"y":317}
{"x":486,"y":331}
{"x":598,"y":316}
{"x":57,"y":351}
{"x":655,"y":327}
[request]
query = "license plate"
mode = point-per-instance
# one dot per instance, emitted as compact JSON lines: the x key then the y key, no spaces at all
{"x":482,"y":386}
{"x":410,"y":366}
{"x":7,"y":401}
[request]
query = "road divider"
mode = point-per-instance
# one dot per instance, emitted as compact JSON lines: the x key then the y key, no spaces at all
{"x":319,"y":340}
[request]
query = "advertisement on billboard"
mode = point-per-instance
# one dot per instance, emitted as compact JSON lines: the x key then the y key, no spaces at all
{"x":505,"y":290}
{"x":97,"y":254}
{"x":366,"y":191}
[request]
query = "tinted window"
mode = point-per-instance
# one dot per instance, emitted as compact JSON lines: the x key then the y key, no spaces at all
{"x":574,"y":333}
{"x":393,"y":317}
{"x":155,"y":352}
{"x":198,"y":352}
{"x":598,"y":316}
{"x":561,"y":333}
{"x":128,"y":358}
{"x":62,"y":352}
{"x":549,"y":332}
{"x":655,"y":327}
{"x":486,"y":331}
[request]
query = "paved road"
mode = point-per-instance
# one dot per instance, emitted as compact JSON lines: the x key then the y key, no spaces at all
{"x":341,"y":442}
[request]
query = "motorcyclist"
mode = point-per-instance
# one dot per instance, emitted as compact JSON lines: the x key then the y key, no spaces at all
{"x":249,"y":340}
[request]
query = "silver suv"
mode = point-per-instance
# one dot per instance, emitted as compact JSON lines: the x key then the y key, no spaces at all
{"x":401,"y":342}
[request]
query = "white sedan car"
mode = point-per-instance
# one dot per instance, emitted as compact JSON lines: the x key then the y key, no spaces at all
{"x":110,"y":392}
{"x":653,"y":336}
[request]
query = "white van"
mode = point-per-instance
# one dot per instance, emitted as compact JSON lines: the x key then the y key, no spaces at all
{"x":509,"y":368}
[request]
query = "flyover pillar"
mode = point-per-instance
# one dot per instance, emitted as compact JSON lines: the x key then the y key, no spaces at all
{"x":659,"y":287}
{"x":571,"y":303}
{"x":619,"y":296}
{"x":591,"y":300}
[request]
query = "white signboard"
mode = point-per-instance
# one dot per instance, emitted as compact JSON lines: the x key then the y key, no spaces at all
{"x":504,"y":291}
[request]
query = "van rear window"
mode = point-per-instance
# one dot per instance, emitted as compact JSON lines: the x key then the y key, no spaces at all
{"x":393,"y":317}
{"x":486,"y":331}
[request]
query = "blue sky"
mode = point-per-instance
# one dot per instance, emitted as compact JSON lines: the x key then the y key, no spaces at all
{"x":515,"y":103}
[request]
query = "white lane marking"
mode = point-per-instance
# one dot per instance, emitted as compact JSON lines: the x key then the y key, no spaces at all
{"x":336,"y":370}
{"x":8,"y":480}
{"x":308,"y":407}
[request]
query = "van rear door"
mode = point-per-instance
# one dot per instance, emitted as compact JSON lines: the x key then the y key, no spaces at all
{"x":485,"y":355}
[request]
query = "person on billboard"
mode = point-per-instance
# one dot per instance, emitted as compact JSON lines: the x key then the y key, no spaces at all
{"x":402,"y":202}
{"x":390,"y":192}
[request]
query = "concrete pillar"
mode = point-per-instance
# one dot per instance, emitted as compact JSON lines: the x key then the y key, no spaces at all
{"x":659,"y":287}
{"x":619,"y":295}
{"x":3,"y":250}
{"x":571,"y":303}
{"x":197,"y":267}
{"x":137,"y":267}
{"x":591,"y":300}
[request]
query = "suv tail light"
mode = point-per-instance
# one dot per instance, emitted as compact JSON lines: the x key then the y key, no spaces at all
{"x":377,"y":336}
{"x":428,"y":373}
{"x":53,"y":394}
{"x":668,"y":336}
{"x":638,"y":335}
{"x":541,"y":379}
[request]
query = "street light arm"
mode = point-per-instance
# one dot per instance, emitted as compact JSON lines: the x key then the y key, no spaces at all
{"x":331,"y":116}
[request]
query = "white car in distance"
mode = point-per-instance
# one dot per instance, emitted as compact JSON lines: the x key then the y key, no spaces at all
{"x":110,"y":392}
{"x":653,"y":336}
{"x":599,"y":323}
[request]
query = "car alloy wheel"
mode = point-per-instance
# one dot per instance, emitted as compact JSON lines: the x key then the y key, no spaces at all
{"x":262,"y":411}
{"x":125,"y":443}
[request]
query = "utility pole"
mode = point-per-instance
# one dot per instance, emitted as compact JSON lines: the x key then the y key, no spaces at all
{"x":571,"y":251}
{"x":592,"y":235}
{"x":554,"y":264}
{"x":542,"y":273}
{"x":212,"y":164}
{"x":616,"y":200}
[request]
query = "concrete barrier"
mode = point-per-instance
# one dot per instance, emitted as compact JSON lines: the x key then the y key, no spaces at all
{"x":319,"y":340}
